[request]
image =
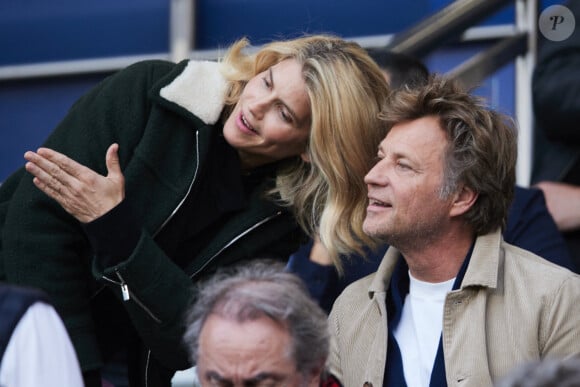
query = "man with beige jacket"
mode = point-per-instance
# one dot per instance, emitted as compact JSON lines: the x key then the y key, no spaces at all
{"x":451,"y":304}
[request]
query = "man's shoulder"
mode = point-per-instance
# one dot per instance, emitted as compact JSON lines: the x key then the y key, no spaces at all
{"x":544,"y":295}
{"x":360,"y":286}
{"x":14,"y":302}
{"x":358,"y":324}
{"x":356,"y":295}
{"x":524,"y":262}
{"x":542,"y":275}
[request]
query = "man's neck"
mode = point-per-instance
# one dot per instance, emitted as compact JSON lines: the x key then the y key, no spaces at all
{"x":439,"y":260}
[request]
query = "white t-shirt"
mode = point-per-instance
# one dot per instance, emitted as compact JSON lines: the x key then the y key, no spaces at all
{"x":419,"y":330}
{"x":40,"y":352}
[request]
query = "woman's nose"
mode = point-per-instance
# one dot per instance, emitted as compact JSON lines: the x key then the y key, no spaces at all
{"x":258,"y":106}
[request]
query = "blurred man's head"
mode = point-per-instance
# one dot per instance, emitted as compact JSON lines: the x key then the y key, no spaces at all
{"x":400,"y":69}
{"x":257,"y":325}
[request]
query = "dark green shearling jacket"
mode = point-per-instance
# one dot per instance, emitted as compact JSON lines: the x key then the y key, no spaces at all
{"x":161,"y":115}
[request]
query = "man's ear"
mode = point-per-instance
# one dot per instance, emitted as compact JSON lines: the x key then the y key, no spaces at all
{"x":465,"y":198}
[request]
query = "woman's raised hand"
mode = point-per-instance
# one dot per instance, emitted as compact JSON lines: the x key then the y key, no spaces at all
{"x":82,"y":192}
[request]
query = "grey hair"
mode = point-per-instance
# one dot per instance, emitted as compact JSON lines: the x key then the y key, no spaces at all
{"x":262,"y":288}
{"x":551,"y":372}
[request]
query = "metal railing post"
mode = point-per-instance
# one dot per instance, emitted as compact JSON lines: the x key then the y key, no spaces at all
{"x":181,"y":29}
{"x":526,"y":21}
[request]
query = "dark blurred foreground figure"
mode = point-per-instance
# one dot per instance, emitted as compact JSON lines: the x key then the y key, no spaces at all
{"x":35,"y":349}
{"x":556,"y":101}
{"x":256,"y":325}
{"x":552,"y":372}
{"x":451,"y":303}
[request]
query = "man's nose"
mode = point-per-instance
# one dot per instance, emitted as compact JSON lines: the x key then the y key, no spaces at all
{"x":377,"y":175}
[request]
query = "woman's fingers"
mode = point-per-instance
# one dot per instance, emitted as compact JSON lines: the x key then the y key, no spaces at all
{"x":64,"y":168}
{"x":113,"y":165}
{"x":82,"y":192}
{"x":47,"y":175}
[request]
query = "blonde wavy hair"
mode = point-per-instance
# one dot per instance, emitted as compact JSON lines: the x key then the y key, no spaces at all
{"x":346,"y":90}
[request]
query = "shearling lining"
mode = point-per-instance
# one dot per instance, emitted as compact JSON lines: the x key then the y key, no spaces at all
{"x":200,"y":89}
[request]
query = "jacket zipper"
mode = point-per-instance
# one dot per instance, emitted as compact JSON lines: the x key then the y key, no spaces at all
{"x":127,"y":295}
{"x":188,"y":190}
{"x":147,"y":363}
{"x":146,"y":376}
{"x":234,"y":240}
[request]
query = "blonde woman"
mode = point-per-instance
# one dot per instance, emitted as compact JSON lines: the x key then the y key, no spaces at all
{"x":164,"y":172}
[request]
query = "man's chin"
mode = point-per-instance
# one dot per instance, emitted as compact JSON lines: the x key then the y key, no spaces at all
{"x":373,"y":231}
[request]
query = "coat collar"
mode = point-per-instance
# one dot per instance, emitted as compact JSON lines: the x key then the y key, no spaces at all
{"x":200,"y":88}
{"x":482,"y":270}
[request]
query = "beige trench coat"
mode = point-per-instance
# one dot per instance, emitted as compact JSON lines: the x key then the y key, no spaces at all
{"x":512,"y":307}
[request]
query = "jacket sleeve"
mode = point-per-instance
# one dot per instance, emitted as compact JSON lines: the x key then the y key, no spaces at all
{"x":531,"y":227}
{"x":42,"y":245}
{"x":321,"y":280}
{"x":560,"y":330}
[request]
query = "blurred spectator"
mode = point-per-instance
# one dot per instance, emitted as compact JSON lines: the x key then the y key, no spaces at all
{"x":256,"y":325}
{"x":400,"y":69}
{"x":545,"y":373}
{"x":35,"y":349}
{"x":556,"y":100}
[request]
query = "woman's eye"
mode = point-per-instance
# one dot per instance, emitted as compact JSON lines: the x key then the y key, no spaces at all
{"x":266,"y":82}
{"x":285,"y":116}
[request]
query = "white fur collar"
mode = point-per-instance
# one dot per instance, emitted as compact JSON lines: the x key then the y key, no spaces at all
{"x":200,"y":89}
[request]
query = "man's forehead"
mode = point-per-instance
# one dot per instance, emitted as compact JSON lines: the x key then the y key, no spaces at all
{"x":270,"y":379}
{"x":248,"y":351}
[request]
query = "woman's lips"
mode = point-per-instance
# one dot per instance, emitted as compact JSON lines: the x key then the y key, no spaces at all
{"x":244,"y":125}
